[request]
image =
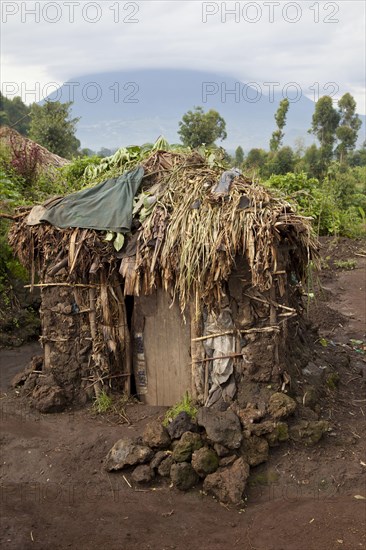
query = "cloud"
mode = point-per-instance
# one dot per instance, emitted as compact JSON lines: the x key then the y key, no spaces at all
{"x":325,"y":44}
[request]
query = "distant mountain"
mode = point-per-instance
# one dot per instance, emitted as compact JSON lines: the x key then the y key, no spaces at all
{"x":135,"y":107}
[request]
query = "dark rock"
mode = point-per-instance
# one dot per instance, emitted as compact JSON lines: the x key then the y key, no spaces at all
{"x":181,"y":423}
{"x":205,"y":461}
{"x":221,"y":450}
{"x":184,"y":448}
{"x":228,"y":485}
{"x":308,"y":432}
{"x":183,"y":476}
{"x":281,"y":405}
{"x":125,"y":452}
{"x":49,"y":399}
{"x":221,"y":427}
{"x":164,"y":466}
{"x":143,"y":474}
{"x":158,"y":458}
{"x":254,"y":450}
{"x":156,"y":436}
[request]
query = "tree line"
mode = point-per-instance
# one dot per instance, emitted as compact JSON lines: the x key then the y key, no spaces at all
{"x":336,"y":130}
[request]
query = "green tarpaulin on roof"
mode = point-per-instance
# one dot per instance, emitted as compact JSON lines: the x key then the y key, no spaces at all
{"x":107,"y":206}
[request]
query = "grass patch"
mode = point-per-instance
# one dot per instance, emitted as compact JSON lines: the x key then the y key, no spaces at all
{"x":346,"y":264}
{"x":103,"y":403}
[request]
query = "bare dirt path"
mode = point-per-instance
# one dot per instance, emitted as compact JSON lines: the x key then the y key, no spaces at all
{"x":55,"y":493}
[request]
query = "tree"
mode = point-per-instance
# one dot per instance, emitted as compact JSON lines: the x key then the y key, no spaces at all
{"x":311,"y":162}
{"x":256,"y":158}
{"x":197,"y":128}
{"x":324,"y":125}
{"x":104,"y":152}
{"x":86,"y":152}
{"x":358,"y":158}
{"x":349,"y":126}
{"x":14,"y":113}
{"x":279,"y":163}
{"x":52,"y":127}
{"x":239,"y":156}
{"x":280,"y":118}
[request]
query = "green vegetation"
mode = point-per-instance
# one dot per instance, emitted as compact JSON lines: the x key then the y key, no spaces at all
{"x":280,"y":118}
{"x":239,"y":156}
{"x":103,"y":403}
{"x":14,"y":113}
{"x":199,"y":128}
{"x":346,"y":264}
{"x":185,"y":405}
{"x":112,"y":404}
{"x":52,"y":127}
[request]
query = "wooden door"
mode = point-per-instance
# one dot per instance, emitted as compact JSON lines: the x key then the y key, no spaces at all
{"x":164,"y":344}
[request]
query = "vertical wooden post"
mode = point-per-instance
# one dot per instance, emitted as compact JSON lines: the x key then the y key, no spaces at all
{"x":273,"y":310}
{"x":197,"y":352}
{"x":127,"y":347}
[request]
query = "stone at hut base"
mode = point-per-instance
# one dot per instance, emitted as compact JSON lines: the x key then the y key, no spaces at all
{"x":308,"y":432}
{"x":278,"y":435}
{"x":158,"y":459}
{"x":227,"y":461}
{"x":183,"y":476}
{"x":221,"y":427}
{"x":205,"y":461}
{"x":228,"y":485}
{"x":182,"y":423}
{"x":221,"y":450}
{"x":165,"y":466}
{"x":281,"y":405}
{"x":184,"y":448}
{"x":125,"y":452}
{"x":156,"y":436}
{"x":254,"y":450}
{"x":143,"y":474}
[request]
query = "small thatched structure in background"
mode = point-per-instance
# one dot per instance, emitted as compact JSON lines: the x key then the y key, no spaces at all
{"x":21,"y":146}
{"x":199,"y":298}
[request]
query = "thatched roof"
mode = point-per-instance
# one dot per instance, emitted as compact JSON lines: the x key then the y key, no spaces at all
{"x":186,"y":241}
{"x":11,"y":139}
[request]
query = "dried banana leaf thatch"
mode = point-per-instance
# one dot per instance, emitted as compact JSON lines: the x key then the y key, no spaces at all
{"x":188,"y":241}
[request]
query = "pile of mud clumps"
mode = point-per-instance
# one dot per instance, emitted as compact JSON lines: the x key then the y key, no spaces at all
{"x":216,"y":449}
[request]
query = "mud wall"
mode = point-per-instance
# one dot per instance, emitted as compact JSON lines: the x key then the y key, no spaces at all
{"x":66,"y":341}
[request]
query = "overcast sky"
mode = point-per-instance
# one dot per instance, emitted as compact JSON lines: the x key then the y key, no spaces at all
{"x":264,"y":41}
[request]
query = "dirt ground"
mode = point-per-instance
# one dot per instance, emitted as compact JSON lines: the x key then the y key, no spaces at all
{"x":56,"y":494}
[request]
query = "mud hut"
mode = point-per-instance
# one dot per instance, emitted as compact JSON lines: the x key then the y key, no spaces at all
{"x":172,"y":276}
